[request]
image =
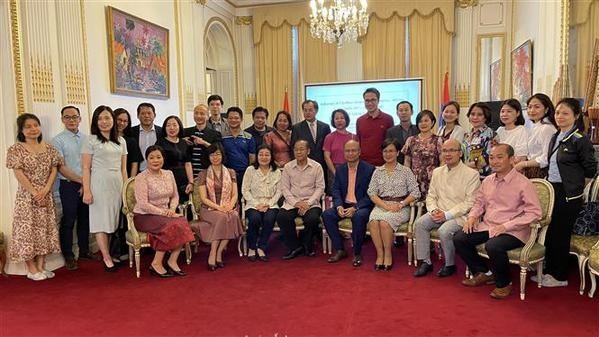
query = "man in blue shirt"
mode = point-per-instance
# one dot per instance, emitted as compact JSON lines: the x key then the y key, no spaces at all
{"x":68,"y":143}
{"x":240,"y":146}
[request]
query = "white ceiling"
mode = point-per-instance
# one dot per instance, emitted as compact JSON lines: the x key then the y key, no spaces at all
{"x":254,"y":3}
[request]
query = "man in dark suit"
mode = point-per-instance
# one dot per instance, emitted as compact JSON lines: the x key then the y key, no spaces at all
{"x":405,"y":129}
{"x":146,"y":133}
{"x":312,"y":131}
{"x":350,"y":201}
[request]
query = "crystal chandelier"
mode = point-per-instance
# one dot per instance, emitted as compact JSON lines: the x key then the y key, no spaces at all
{"x":342,"y":21}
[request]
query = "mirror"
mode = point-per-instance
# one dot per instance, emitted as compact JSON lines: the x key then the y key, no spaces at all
{"x":491,"y":65}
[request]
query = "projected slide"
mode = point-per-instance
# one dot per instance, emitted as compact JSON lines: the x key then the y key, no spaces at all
{"x":348,"y":96}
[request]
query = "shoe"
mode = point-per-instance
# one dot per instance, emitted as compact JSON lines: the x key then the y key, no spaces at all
{"x":48,"y":274}
{"x":173,"y":272}
{"x":263,"y":258}
{"x":163,"y":275}
{"x":446,"y":271}
{"x":220,"y":264}
{"x":252,"y":258}
{"x":357,"y":261}
{"x":501,"y":293}
{"x":70,"y":263}
{"x":387,"y":267}
{"x":90,"y":256}
{"x":310,"y":252}
{"x":36,"y":276}
{"x":550,"y":282}
{"x":478,"y":280}
{"x":110,"y":269}
{"x":339,"y":255}
{"x":379,"y":267}
{"x":212,"y":267}
{"x":423,"y":269}
{"x":292,"y":254}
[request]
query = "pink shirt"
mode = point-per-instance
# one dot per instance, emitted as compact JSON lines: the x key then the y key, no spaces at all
{"x":154,"y":193}
{"x":302,"y":184}
{"x":334,"y":143}
{"x":352,"y":172}
{"x":511,"y":201}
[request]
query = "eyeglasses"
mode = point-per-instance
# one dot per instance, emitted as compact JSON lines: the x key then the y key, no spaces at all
{"x":215,"y":154}
{"x":70,"y":118}
{"x":450,"y":150}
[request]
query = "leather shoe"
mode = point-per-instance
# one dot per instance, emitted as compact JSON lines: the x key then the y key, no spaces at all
{"x":220,"y":264}
{"x":446,"y":271}
{"x":423,"y":269}
{"x":310,"y":252}
{"x":163,"y":275}
{"x":379,"y":267}
{"x":387,"y":267}
{"x":501,"y":293}
{"x":263,"y":258}
{"x":292,"y":254}
{"x":252,"y":258}
{"x":175,"y":272}
{"x":357,"y":261}
{"x":71,"y":264}
{"x":478,"y":280}
{"x":90,"y":256}
{"x":339,"y":255}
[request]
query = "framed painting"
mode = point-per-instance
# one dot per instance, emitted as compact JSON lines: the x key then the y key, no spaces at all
{"x":522,"y":72}
{"x":495,"y":81}
{"x":137,"y":55}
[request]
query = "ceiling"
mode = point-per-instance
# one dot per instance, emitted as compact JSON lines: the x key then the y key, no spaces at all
{"x":257,"y":3}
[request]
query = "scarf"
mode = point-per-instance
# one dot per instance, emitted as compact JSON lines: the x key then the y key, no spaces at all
{"x":226,"y":185}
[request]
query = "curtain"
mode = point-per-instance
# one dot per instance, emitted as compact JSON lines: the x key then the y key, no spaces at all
{"x":384,"y":48}
{"x":430,"y":56}
{"x":274,"y":71}
{"x":586,"y":33}
{"x":317,"y":59}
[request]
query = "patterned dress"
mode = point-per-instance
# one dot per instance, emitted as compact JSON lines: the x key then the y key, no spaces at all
{"x":400,"y":183}
{"x":425,"y":154}
{"x":477,"y":148}
{"x":35,"y":230}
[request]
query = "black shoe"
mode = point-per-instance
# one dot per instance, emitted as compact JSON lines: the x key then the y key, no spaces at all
{"x":339,"y":255}
{"x":163,"y":275}
{"x":109,"y":269}
{"x":212,"y":267}
{"x":357,"y":260}
{"x":310,"y":252}
{"x":379,"y":267}
{"x":252,"y":258}
{"x":447,"y":271}
{"x":179,"y":272}
{"x":263,"y":258}
{"x":70,"y":263}
{"x":89,"y":256}
{"x":292,"y":254}
{"x":423,"y":269}
{"x":220,"y":264}
{"x":387,"y":267}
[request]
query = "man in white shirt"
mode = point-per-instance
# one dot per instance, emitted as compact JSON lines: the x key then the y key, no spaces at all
{"x":146,"y":133}
{"x":450,"y":196}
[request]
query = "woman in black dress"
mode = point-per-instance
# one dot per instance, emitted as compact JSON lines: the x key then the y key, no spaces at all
{"x":177,"y":155}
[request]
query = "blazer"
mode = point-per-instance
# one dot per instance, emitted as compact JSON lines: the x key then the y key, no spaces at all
{"x":301,"y":130}
{"x":363,"y":177}
{"x":135,"y":132}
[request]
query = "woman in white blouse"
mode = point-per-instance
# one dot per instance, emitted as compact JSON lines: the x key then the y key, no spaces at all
{"x":260,"y":189}
{"x":541,"y":112}
{"x":451,"y":123}
{"x":512,"y":131}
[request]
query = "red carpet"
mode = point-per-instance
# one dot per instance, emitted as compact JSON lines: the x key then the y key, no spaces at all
{"x":303,"y":297}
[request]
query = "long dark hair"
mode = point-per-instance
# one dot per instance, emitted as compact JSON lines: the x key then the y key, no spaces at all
{"x":163,"y":132}
{"x":272,"y":164}
{"x":514,"y":104}
{"x":574,"y":105}
{"x":95,"y":130}
{"x":286,"y":114}
{"x":21,"y":125}
{"x":457,"y":106}
{"x":117,"y":113}
{"x":549,"y":108}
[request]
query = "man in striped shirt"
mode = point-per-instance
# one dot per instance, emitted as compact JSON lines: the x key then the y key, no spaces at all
{"x":200,"y":136}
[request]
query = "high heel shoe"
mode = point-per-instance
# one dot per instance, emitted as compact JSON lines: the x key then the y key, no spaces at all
{"x":212,"y":267}
{"x":176,"y":272}
{"x":379,"y":267}
{"x":220,"y":264}
{"x":110,"y":269}
{"x":387,"y":267}
{"x":163,"y":275}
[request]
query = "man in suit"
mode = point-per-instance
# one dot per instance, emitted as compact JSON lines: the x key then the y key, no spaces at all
{"x":146,"y":133}
{"x":350,"y":201}
{"x":313,"y":132}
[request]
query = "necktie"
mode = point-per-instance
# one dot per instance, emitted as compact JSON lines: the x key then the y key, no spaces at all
{"x":313,"y":130}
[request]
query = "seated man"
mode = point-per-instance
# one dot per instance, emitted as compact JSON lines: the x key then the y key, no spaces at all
{"x":302,"y":186}
{"x":510,"y":204}
{"x":450,"y":196}
{"x":350,"y":201}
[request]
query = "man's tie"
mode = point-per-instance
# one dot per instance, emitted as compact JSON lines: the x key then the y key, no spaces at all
{"x":313,"y":130}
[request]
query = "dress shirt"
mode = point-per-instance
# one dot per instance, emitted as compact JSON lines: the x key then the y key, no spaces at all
{"x":510,"y":201}
{"x":146,"y":139}
{"x":352,"y":173}
{"x":68,"y":144}
{"x":221,"y":126}
{"x":453,"y":191}
{"x":258,"y":188}
{"x":516,"y":137}
{"x":539,"y":137}
{"x":302,"y":183}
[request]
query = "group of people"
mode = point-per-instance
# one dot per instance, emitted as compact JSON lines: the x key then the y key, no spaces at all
{"x":473,"y":182}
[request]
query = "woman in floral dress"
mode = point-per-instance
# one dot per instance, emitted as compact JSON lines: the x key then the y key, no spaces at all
{"x":35,"y":164}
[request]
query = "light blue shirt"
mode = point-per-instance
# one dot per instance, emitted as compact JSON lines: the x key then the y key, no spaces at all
{"x":553,"y":175}
{"x":68,"y":145}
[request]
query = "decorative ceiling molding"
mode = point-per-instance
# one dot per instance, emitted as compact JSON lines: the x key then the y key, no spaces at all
{"x":466,"y":3}
{"x":243,"y":20}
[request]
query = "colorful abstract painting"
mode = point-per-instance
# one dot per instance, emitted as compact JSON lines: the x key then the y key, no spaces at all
{"x":138,"y":56}
{"x":522,"y":72}
{"x":495,"y":80}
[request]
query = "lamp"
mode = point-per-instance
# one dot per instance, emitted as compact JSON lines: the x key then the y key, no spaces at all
{"x":340,"y":22}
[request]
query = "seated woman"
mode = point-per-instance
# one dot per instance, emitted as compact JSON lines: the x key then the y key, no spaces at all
{"x":260,"y":189}
{"x":156,"y":201}
{"x":512,"y":130}
{"x":477,"y":143}
{"x":219,"y":216}
{"x":279,"y":139}
{"x":392,"y":188}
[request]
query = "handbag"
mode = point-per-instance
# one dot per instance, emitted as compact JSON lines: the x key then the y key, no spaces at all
{"x":587,"y":222}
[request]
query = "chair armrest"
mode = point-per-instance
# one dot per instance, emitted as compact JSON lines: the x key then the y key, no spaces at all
{"x":415,"y":212}
{"x":132,"y":229}
{"x":525,"y":253}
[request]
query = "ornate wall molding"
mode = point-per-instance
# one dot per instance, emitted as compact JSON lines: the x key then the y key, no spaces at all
{"x":201,"y":2}
{"x":244,"y":20}
{"x":466,"y":3}
{"x":74,"y":78}
{"x":42,"y":80}
{"x":16,"y":50}
{"x":462,"y":95}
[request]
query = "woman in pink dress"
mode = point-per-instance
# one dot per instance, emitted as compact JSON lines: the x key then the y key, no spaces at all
{"x":335,"y":141}
{"x":155,"y":213}
{"x":279,"y":139}
{"x":35,"y":163}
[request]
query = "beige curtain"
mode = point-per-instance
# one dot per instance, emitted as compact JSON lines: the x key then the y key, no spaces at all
{"x":274,"y":71}
{"x":587,"y":31}
{"x":383,"y":48}
{"x":317,"y":59}
{"x":430,"y":56}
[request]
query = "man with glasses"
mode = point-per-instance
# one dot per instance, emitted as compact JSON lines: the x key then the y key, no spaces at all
{"x":68,"y":143}
{"x":450,"y":196}
{"x":371,"y":128}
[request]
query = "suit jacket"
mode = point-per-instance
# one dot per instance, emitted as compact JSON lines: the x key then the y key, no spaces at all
{"x":301,"y":130}
{"x":363,"y":176}
{"x":135,"y":132}
{"x":401,"y":136}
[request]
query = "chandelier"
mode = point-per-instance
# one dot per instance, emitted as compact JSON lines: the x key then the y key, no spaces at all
{"x":342,"y":21}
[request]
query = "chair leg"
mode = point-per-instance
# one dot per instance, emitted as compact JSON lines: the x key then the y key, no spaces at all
{"x":523,"y":270}
{"x":593,"y":285}
{"x":131,"y":257}
{"x":195,"y":249}
{"x":137,"y":263}
{"x":325,"y":244}
{"x":239,"y":244}
{"x":581,"y":265}
{"x":412,"y":248}
{"x":540,"y":274}
{"x":410,"y":252}
{"x":188,"y":253}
